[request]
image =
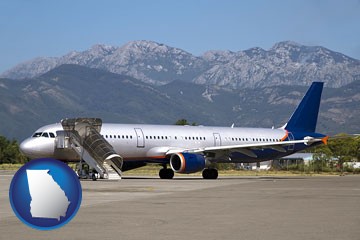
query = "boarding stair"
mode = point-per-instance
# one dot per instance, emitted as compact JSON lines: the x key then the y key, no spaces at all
{"x":83,"y":136}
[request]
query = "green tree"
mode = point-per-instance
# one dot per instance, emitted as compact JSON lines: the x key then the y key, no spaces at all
{"x":10,"y":152}
{"x":344,"y":149}
{"x":184,"y":122}
{"x":357,"y":147}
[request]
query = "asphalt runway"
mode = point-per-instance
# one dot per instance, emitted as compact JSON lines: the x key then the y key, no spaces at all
{"x":193,"y":208}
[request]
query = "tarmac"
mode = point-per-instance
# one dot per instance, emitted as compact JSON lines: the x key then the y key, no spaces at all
{"x":193,"y":208}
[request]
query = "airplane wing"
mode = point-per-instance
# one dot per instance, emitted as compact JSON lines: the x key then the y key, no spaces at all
{"x":247,"y":148}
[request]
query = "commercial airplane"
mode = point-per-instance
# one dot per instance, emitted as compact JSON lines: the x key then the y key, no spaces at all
{"x":189,"y":149}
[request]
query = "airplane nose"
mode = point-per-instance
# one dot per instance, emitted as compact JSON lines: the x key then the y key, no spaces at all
{"x":28,"y":147}
{"x":25,"y":147}
{"x":37,"y":147}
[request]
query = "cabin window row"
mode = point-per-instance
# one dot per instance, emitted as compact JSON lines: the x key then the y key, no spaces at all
{"x":157,"y":137}
{"x":152,"y":137}
{"x":166,"y":138}
{"x":195,"y":138}
{"x":118,"y":136}
{"x":253,"y":139}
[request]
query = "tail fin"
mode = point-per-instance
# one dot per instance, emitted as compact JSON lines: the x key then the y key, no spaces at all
{"x":304,"y":118}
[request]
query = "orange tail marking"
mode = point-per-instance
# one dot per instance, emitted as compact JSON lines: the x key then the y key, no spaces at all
{"x":286,"y":135}
{"x":325,"y":140}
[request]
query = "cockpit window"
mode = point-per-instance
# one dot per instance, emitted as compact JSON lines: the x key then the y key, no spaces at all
{"x":45,"y":134}
{"x":37,"y":134}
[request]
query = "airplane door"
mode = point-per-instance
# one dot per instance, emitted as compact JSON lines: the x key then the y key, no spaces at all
{"x":140,"y":138}
{"x":217,"y":139}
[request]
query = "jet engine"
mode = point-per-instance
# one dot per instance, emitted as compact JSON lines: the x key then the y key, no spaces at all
{"x":187,"y":162}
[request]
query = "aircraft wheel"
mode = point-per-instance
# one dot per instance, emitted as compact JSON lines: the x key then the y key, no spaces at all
{"x":210,"y":173}
{"x":214,"y":173}
{"x":166,"y":173}
{"x":205,"y":173}
{"x":93,"y":177}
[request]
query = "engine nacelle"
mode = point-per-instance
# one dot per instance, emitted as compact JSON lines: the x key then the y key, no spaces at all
{"x":187,"y":162}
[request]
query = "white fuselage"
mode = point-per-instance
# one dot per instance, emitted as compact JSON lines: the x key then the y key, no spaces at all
{"x":137,"y":141}
{"x":151,"y":142}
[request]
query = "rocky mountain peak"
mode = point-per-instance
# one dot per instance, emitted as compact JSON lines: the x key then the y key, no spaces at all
{"x":145,"y":46}
{"x":102,"y":49}
{"x":287,"y":45}
{"x":218,"y":56}
{"x":155,"y":63}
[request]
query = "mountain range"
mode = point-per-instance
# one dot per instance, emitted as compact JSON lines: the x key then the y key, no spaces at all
{"x":72,"y":90}
{"x":286,"y":63}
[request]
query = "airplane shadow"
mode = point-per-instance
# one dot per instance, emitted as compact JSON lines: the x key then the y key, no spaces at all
{"x":270,"y":178}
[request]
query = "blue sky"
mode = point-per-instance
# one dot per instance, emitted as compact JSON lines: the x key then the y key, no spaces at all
{"x":29,"y":29}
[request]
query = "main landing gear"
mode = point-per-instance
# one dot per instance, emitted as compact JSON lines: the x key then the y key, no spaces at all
{"x":207,"y":173}
{"x":166,"y":173}
{"x":210,"y":173}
